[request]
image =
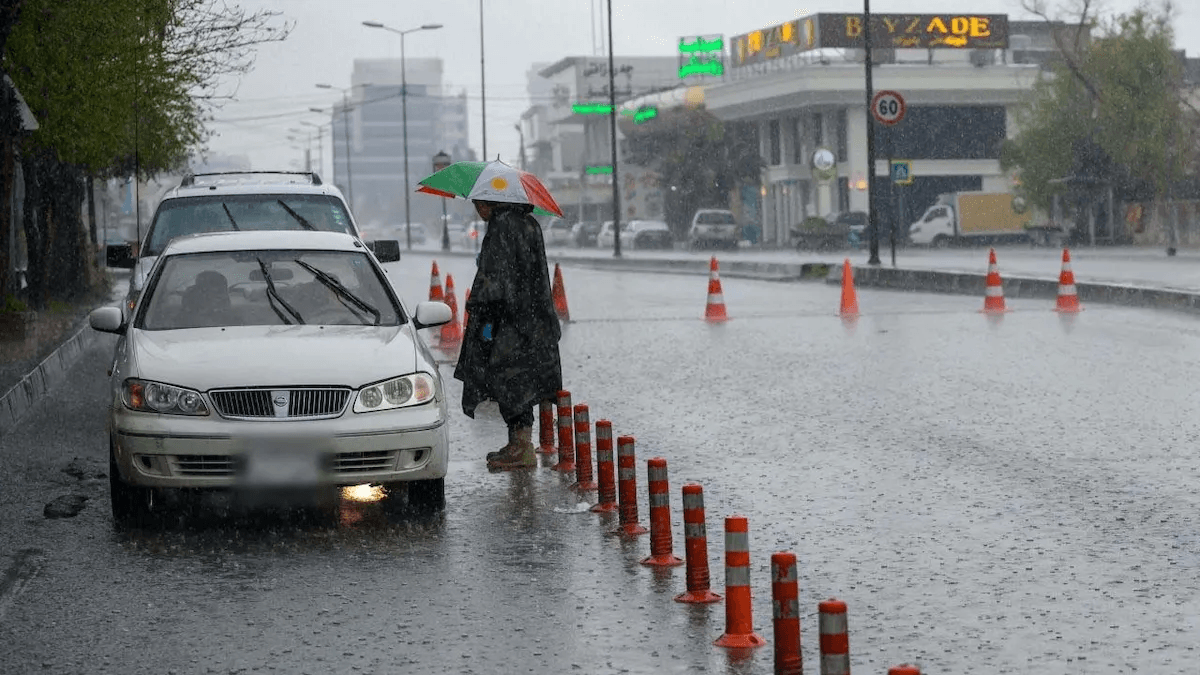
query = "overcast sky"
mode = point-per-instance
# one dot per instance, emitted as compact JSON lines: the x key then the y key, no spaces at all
{"x":278,"y":93}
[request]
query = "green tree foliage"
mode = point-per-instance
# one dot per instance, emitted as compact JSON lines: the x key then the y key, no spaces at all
{"x":1115,"y":110}
{"x":698,"y":158}
{"x":118,"y":88}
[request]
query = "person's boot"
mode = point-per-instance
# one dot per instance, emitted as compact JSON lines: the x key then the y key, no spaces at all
{"x":521,"y":453}
{"x":504,"y":451}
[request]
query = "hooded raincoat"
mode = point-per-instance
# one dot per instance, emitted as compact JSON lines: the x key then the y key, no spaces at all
{"x":519,"y":366}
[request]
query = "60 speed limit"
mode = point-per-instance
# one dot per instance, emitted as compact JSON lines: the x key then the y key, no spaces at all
{"x":888,"y":107}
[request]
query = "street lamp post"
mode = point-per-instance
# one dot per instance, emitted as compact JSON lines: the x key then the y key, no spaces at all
{"x":320,"y":142}
{"x":404,"y":116}
{"x":441,"y":161}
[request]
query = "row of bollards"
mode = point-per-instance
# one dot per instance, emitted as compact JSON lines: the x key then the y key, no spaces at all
{"x":574,"y":449}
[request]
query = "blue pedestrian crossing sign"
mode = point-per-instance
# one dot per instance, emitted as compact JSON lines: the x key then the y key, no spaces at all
{"x":902,"y":172}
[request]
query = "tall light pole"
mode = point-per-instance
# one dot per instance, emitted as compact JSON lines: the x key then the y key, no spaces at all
{"x":612,"y":127}
{"x":404,"y":115}
{"x":441,"y":161}
{"x":320,"y":142}
{"x":346,"y":133}
{"x":482,"y":85}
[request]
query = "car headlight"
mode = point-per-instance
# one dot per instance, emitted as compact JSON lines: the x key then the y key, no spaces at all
{"x":156,"y":397}
{"x":398,"y":392}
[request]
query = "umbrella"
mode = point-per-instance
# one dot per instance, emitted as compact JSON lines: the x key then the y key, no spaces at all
{"x":493,"y":182}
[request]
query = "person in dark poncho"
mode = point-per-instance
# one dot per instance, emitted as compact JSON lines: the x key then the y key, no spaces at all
{"x":509,"y":352}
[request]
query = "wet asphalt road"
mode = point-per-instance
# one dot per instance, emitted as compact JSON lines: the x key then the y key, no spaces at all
{"x":1005,"y":496}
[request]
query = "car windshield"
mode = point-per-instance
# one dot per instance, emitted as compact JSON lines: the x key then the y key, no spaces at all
{"x":267,"y":288}
{"x":716,"y":218}
{"x":218,"y":213}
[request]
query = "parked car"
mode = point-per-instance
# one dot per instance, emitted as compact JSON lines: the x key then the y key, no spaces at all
{"x":714,"y":227}
{"x":419,"y":235}
{"x":583,"y":234}
{"x":649,"y":234}
{"x":556,"y":232}
{"x":271,"y":361}
{"x":244,"y":200}
{"x":604,"y":238}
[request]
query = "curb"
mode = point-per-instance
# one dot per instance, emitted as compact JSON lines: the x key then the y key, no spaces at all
{"x":37,"y":383}
{"x":962,"y":283}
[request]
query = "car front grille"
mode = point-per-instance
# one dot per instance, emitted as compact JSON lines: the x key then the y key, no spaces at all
{"x":362,"y":462}
{"x":342,"y":463}
{"x":264,"y":403}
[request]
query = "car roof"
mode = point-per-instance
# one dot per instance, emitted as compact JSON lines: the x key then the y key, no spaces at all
{"x":252,"y":182}
{"x":263,"y":240}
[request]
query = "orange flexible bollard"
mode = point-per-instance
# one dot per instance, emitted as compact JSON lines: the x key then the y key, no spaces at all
{"x":785,"y":601}
{"x":606,"y":472}
{"x":546,"y":428}
{"x":566,"y":435}
{"x":627,"y":488}
{"x":849,"y":308}
{"x":660,"y":515}
{"x":695,"y":548}
{"x":739,"y":611}
{"x":583,"y":450}
{"x":835,"y":642}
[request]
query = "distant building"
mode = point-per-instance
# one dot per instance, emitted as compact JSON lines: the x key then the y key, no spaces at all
{"x":372,"y":174}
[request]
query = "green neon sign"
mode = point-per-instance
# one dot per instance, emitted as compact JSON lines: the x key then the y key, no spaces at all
{"x":696,"y":66}
{"x":645,"y":115}
{"x":597,"y":170}
{"x":591,"y":109}
{"x":700,"y":46}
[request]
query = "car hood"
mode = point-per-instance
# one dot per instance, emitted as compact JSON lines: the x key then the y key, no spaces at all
{"x":250,"y":356}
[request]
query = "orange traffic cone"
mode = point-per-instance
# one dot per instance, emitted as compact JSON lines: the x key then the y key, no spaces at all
{"x":993,"y":297}
{"x":435,"y":284}
{"x":560,"y":295}
{"x":714,"y":311}
{"x":452,"y":331}
{"x":849,"y":296}
{"x":1068,"y":297}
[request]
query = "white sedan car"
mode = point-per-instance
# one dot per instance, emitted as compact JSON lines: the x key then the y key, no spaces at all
{"x":273,"y":362}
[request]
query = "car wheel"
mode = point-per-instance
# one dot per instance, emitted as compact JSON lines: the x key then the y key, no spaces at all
{"x":427,"y":496}
{"x":940,"y":241}
{"x":131,"y":505}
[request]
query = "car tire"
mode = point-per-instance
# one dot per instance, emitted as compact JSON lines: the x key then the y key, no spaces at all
{"x":427,"y":496}
{"x":132,"y":506}
{"x":940,"y":241}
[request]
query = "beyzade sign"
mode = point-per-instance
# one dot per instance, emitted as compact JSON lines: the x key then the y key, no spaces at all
{"x":889,"y":31}
{"x":916,"y":31}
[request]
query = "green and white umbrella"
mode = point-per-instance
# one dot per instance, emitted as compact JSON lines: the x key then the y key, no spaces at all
{"x":493,"y":182}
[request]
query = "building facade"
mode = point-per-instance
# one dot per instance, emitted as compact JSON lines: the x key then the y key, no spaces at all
{"x":368,"y":138}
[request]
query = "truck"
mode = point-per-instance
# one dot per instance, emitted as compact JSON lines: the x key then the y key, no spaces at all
{"x":972,"y":217}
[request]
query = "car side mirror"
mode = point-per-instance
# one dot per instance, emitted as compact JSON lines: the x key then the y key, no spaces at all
{"x":385,"y":250}
{"x":430,"y":314}
{"x":119,"y":256}
{"x":107,"y":320}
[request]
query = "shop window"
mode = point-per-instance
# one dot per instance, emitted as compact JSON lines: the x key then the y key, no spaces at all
{"x":800,"y":153}
{"x":843,"y":194}
{"x":817,"y":128}
{"x":944,"y":132}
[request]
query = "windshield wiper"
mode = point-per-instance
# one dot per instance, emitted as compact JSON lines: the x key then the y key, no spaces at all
{"x":230,"y":215}
{"x":343,"y":293}
{"x":299,"y":218}
{"x":276,"y":301}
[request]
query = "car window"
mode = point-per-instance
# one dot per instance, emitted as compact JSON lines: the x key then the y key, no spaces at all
{"x":195,"y":215}
{"x":716,"y":218}
{"x":230,"y":289}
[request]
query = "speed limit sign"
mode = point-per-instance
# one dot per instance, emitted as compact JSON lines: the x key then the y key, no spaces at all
{"x":888,"y":107}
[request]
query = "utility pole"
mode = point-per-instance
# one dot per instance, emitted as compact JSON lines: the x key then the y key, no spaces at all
{"x":872,"y":217}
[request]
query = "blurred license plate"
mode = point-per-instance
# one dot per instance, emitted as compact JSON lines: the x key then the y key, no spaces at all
{"x":282,"y":465}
